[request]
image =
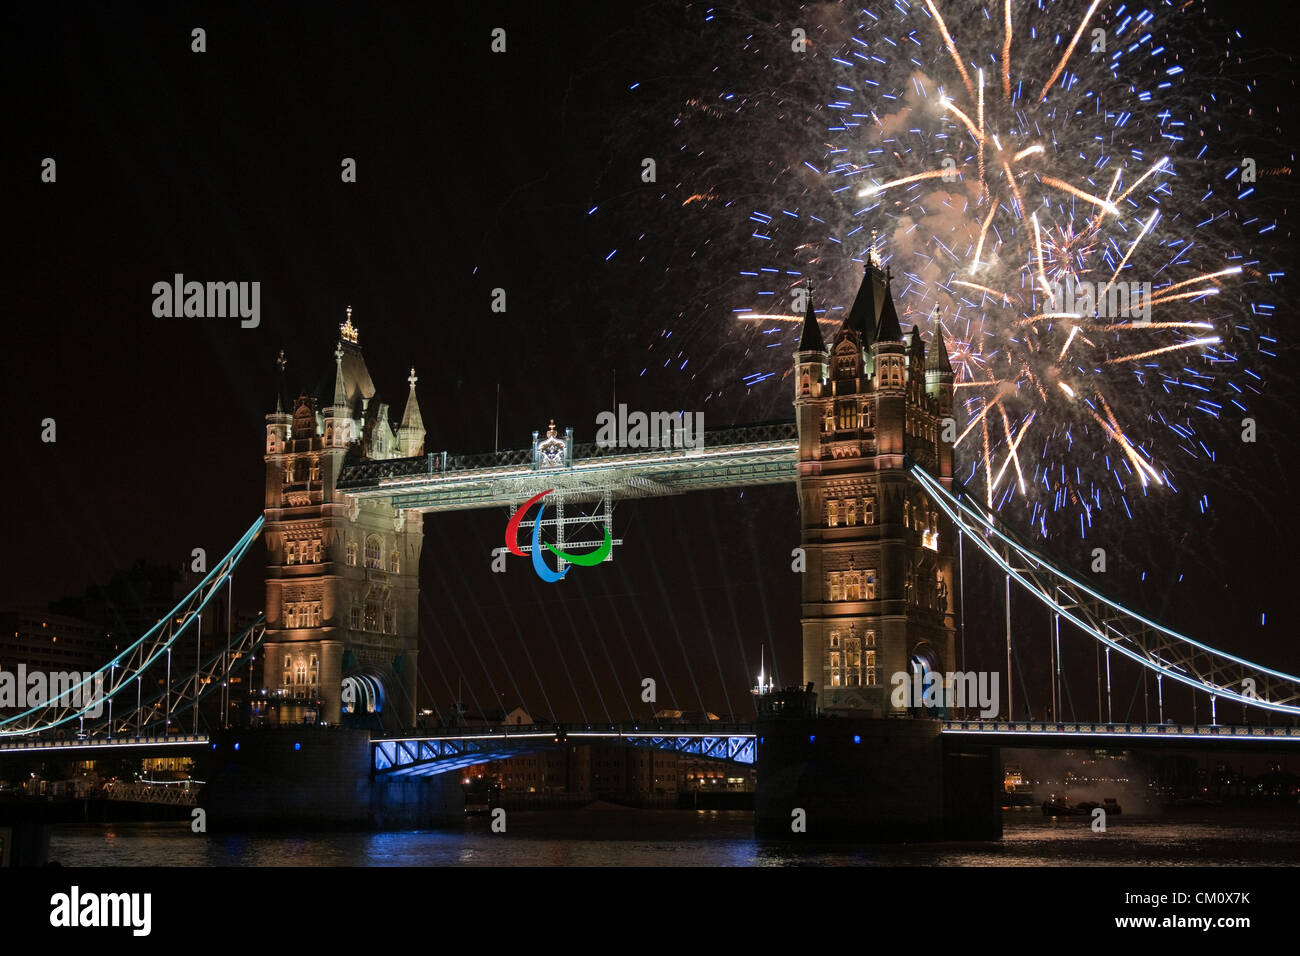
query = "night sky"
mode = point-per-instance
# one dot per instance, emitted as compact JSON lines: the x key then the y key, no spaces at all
{"x":475,"y":171}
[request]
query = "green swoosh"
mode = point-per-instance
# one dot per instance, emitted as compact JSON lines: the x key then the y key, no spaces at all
{"x":591,"y":558}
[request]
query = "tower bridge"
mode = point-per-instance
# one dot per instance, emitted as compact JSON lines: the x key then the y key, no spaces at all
{"x":347,"y":486}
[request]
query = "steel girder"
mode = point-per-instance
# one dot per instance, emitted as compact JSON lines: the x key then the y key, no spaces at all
{"x":146,"y":652}
{"x":1169,"y":654}
{"x":427,"y":756}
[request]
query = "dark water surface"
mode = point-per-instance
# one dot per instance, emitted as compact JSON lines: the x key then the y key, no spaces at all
{"x":706,"y":838}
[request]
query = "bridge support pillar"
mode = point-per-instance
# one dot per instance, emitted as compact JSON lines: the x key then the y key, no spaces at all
{"x":873,"y":780}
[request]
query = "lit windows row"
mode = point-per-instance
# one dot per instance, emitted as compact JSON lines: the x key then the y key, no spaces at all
{"x":373,"y":617}
{"x":302,"y":614}
{"x":849,"y":664}
{"x":926,"y":430}
{"x":298,"y":470}
{"x":919,"y":518}
{"x":301,"y":672}
{"x":303,"y":552}
{"x":845,"y":511}
{"x":849,"y":415}
{"x":374,"y":555}
{"x":851,"y":585}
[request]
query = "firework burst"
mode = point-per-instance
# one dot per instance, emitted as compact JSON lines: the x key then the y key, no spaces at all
{"x":1011,"y":154}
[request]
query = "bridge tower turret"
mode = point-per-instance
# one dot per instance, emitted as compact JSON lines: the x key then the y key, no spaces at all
{"x":342,"y":578}
{"x":877,"y":581}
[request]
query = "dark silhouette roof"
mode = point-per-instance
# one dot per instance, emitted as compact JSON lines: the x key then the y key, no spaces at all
{"x":811,"y":338}
{"x":889,"y":330}
{"x":938,"y":357}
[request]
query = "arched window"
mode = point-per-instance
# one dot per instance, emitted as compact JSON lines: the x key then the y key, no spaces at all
{"x":871,"y":669}
{"x":315,"y":670}
{"x":352,"y":554}
{"x":868,"y":510}
{"x":291,"y":552}
{"x":395,"y":562}
{"x":288,"y":671}
{"x":300,"y":672}
{"x":315,"y":551}
{"x":869,"y":587}
{"x":851,"y":512}
{"x":375,"y":552}
{"x":834,"y":589}
{"x":832,"y":514}
{"x":315,"y":469}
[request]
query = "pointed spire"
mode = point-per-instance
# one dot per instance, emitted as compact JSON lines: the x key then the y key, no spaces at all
{"x":280,"y":394}
{"x":937,"y":361}
{"x":811,"y":338}
{"x":340,"y":391}
{"x":889,"y":329}
{"x":411,"y":418}
{"x":862,"y":317}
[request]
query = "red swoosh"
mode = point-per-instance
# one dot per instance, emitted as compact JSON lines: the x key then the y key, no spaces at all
{"x":512,"y":526}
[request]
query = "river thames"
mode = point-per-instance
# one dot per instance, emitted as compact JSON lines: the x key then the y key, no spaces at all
{"x":617,"y":837}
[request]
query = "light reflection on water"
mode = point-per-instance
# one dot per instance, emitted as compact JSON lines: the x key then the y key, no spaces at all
{"x":676,"y":838}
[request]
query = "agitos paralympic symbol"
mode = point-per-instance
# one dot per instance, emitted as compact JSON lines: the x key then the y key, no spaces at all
{"x":590,"y":559}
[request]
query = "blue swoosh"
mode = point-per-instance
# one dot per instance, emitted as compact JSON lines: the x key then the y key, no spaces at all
{"x":543,"y":572}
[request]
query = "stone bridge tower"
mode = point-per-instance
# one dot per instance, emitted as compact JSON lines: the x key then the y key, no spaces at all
{"x":878,"y":590}
{"x":342,"y":576}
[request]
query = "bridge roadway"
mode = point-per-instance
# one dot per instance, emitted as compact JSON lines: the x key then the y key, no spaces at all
{"x":418,"y":753}
{"x":738,"y":457}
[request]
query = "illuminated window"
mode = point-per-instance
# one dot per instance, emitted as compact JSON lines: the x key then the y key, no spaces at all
{"x":316,"y":551}
{"x":848,"y":416}
{"x":315,"y":669}
{"x":288,"y":671}
{"x":853,"y":662}
{"x":372,"y":616}
{"x":395,"y":562}
{"x":291,"y":553}
{"x":869,"y":586}
{"x":907,"y":514}
{"x":315,"y":469}
{"x":871,"y":669}
{"x":300,"y":672}
{"x":834,"y":590}
{"x":375,"y":552}
{"x":832,"y":514}
{"x":851,"y":512}
{"x":828,"y":423}
{"x":352,"y":554}
{"x":853,"y":585}
{"x":868,"y":510}
{"x":836,"y":670}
